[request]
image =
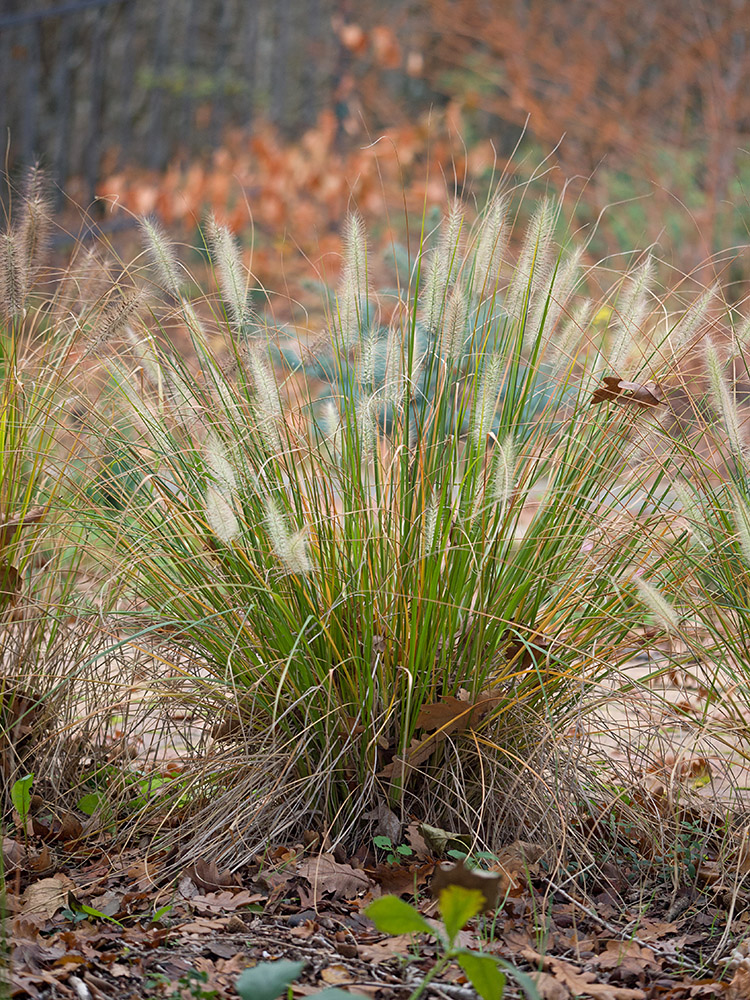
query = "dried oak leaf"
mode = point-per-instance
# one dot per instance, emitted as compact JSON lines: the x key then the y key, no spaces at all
{"x":578,"y":982}
{"x":328,"y":877}
{"x":488,"y":883}
{"x":447,"y":716}
{"x":614,"y":389}
{"x":10,"y":525}
{"x":47,"y":896}
{"x":206,"y":875}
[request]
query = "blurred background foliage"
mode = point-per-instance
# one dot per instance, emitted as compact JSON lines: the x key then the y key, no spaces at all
{"x":299,"y":108}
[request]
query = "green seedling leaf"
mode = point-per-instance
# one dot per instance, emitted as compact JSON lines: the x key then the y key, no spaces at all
{"x":89,"y":803}
{"x":384,"y":843}
{"x":91,"y":912}
{"x":20,"y":796}
{"x":158,"y":914}
{"x":268,"y":980}
{"x":334,"y":993}
{"x":392,"y":915}
{"x":457,"y":906}
{"x":483,"y":973}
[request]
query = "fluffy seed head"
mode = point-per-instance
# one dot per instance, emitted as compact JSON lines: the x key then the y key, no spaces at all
{"x":13,"y":279}
{"x":220,"y":516}
{"x":491,"y":245}
{"x":535,"y":259}
{"x":632,"y":309}
{"x":454,"y":326}
{"x":117,"y":315}
{"x":657,"y":603}
{"x":162,"y":255}
{"x":230,"y":271}
{"x":353,"y":288}
{"x":503,"y":478}
{"x":693,"y":319}
{"x":290,"y":547}
{"x":742,"y":524}
{"x":554,"y":298}
{"x":723,"y":398}
{"x":485,"y":401}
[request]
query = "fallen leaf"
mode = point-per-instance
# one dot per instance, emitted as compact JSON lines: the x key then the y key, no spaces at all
{"x":439,"y":841}
{"x":739,"y":988}
{"x":614,"y":389}
{"x":488,"y":883}
{"x":336,"y":975}
{"x":448,"y":716}
{"x":328,"y":877}
{"x":47,"y":896}
{"x":68,"y":827}
{"x":10,"y":525}
{"x":626,"y":955}
{"x":387,"y":948}
{"x":579,"y":982}
{"x":206,"y":875}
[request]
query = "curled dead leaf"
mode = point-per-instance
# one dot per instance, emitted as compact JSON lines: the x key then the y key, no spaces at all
{"x":10,"y":525}
{"x":47,"y":896}
{"x":328,"y":877}
{"x":206,"y":875}
{"x":488,"y":883}
{"x":617,"y":390}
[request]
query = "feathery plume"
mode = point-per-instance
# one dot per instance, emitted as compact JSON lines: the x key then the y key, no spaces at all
{"x":218,"y":464}
{"x":13,"y":281}
{"x":34,"y":226}
{"x":504,"y":475}
{"x":290,"y":547}
{"x":429,"y":524}
{"x":433,"y":292}
{"x":534,"y":260}
{"x":454,"y":326}
{"x":220,"y":516}
{"x":742,"y":524}
{"x":632,"y":309}
{"x":230,"y":272}
{"x":554,"y":298}
{"x":365,"y":368}
{"x":221,"y":491}
{"x":162,"y":255}
{"x":363,"y":415}
{"x":723,"y":398}
{"x":740,"y":336}
{"x":491,"y":245}
{"x":353,"y":288}
{"x":693,"y":319}
{"x":657,"y":603}
{"x":114,"y":318}
{"x":485,"y":401}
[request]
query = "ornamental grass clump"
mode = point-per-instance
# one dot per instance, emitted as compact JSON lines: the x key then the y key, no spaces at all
{"x":397,"y":554}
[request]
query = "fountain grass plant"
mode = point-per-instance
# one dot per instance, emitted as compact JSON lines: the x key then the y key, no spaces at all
{"x":396,"y":555}
{"x":394,"y":559}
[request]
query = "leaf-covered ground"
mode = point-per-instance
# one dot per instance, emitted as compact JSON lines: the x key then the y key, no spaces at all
{"x":128,"y":925}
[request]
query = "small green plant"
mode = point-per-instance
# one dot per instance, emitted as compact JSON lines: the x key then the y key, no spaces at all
{"x":20,"y":796}
{"x":393,"y":855}
{"x":391,"y":915}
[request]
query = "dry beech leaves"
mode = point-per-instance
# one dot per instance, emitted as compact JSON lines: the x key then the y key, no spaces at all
{"x":329,"y":877}
{"x":206,"y":875}
{"x":47,"y":896}
{"x":561,"y":979}
{"x":617,"y":390}
{"x":439,"y":719}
